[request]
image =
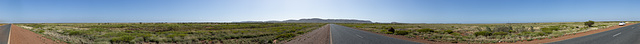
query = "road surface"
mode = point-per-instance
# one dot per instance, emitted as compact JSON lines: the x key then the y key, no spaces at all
{"x":346,"y":35}
{"x":4,"y":33}
{"x":625,"y":35}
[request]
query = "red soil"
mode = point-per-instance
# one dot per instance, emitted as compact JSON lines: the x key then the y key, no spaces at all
{"x":318,"y":36}
{"x":23,"y":36}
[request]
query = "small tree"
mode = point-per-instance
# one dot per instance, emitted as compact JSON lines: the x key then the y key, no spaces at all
{"x":589,"y":23}
{"x":391,"y":29}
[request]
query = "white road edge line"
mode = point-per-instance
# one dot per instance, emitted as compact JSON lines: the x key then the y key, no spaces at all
{"x":616,"y":35}
{"x":9,"y":38}
{"x":330,"y":38}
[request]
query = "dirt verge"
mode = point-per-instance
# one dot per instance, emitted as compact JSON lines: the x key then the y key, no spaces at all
{"x":318,"y":36}
{"x":22,"y":36}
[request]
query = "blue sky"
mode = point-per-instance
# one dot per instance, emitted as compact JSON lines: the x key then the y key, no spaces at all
{"x":408,"y":11}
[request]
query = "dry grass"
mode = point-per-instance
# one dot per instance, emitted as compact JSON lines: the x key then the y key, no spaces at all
{"x":467,"y":33}
{"x":181,"y":33}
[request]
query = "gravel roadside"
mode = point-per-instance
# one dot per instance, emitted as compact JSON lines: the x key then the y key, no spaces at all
{"x":318,"y":36}
{"x":23,"y":36}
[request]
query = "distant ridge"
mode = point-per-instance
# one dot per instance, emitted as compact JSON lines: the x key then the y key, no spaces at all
{"x":312,"y":20}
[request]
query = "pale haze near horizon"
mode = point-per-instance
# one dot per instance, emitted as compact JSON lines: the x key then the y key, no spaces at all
{"x":407,"y":11}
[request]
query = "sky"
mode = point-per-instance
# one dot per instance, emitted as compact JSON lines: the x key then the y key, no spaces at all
{"x":404,"y":11}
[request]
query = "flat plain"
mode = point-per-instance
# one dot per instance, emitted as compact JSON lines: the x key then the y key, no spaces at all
{"x":278,"y":33}
{"x":481,"y":33}
{"x":181,"y":33}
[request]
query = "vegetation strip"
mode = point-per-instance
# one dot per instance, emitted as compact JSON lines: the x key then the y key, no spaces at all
{"x":181,"y":33}
{"x":571,"y":36}
{"x":482,"y":33}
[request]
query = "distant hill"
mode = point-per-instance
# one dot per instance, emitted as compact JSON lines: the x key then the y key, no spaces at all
{"x":312,"y":20}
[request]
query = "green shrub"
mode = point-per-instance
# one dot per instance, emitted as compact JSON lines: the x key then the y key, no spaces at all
{"x":176,"y":35}
{"x":500,"y":33}
{"x":388,"y":32}
{"x":123,"y":39}
{"x":547,"y":31}
{"x":553,"y":28}
{"x":74,"y":32}
{"x":511,"y":31}
{"x":40,"y":31}
{"x":288,"y":35}
{"x":448,"y":31}
{"x":300,"y":32}
{"x":425,"y":30}
{"x":484,"y":33}
{"x":527,"y":32}
{"x":402,"y":32}
{"x":550,"y":29}
{"x":542,"y":34}
{"x":456,"y":34}
{"x":602,"y":25}
{"x":502,"y":29}
{"x":146,"y":35}
{"x":98,"y":29}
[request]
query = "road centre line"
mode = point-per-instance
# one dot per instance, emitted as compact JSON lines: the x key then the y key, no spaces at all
{"x":616,"y":35}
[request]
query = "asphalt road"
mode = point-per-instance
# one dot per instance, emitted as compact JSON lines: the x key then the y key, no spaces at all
{"x":346,"y":35}
{"x":625,"y":35}
{"x":4,"y":33}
